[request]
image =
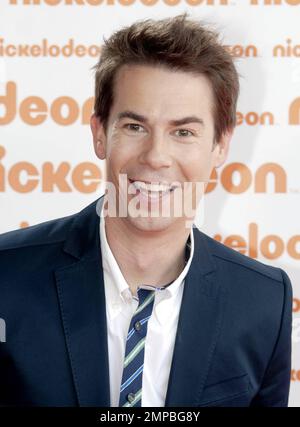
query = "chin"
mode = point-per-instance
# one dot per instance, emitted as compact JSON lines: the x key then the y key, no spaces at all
{"x":151,"y":224}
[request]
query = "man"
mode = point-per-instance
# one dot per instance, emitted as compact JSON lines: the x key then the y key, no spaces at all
{"x":142,"y":309}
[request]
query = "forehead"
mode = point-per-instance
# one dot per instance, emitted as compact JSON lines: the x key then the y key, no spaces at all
{"x":160,"y":91}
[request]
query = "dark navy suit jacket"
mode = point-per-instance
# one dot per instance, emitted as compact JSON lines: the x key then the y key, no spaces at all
{"x":233,"y":340}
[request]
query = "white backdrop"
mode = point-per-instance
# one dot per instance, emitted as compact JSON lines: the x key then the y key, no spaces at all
{"x":48,"y":167}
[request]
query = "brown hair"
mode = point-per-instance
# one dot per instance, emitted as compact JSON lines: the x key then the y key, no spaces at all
{"x":176,"y":43}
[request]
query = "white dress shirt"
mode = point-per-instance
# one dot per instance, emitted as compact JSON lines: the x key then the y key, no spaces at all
{"x":161,"y":330}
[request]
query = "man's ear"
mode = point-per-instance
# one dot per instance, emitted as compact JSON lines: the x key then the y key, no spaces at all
{"x":221,"y":149}
{"x":99,"y":137}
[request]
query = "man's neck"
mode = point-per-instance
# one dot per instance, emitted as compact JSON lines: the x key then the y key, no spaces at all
{"x":147,"y":257}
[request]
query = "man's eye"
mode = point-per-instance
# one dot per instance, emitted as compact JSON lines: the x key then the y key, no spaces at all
{"x":184,"y":132}
{"x":133,"y":127}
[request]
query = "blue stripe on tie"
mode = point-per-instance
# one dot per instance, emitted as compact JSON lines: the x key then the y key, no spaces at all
{"x":132,"y":378}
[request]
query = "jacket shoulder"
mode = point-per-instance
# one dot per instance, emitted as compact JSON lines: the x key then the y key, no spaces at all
{"x":44,"y":233}
{"x":227,"y":254}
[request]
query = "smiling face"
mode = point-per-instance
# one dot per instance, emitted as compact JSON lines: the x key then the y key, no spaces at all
{"x":160,"y":134}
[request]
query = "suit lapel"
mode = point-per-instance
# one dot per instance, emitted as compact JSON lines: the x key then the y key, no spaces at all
{"x":82,"y":301}
{"x":198,"y":328}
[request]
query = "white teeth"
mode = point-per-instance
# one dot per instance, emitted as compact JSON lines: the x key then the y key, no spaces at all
{"x":143,"y":186}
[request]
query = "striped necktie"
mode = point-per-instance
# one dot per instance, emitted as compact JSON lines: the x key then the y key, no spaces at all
{"x":131,"y":385}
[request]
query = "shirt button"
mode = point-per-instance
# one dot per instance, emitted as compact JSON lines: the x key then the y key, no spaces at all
{"x":137,"y":325}
{"x":130,"y":397}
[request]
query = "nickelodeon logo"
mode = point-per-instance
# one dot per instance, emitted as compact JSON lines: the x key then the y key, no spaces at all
{"x":240,"y":51}
{"x":253,"y":119}
{"x":25,"y":177}
{"x":113,"y":2}
{"x":287,"y":51}
{"x":151,"y":2}
{"x":275,"y":2}
{"x":295,"y":375}
{"x":237,"y":178}
{"x":270,"y":247}
{"x":46,"y":49}
{"x":34,"y":110}
{"x":57,"y":177}
{"x":66,"y":111}
{"x":296,"y":305}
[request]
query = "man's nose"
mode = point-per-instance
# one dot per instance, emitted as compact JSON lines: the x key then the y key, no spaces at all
{"x":156,"y":152}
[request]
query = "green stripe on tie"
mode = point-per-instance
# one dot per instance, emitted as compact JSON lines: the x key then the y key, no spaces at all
{"x":134,"y":352}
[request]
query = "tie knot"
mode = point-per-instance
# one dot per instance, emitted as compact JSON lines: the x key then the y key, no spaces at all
{"x":145,"y":295}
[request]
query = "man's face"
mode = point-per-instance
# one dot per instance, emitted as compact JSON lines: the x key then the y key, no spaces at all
{"x":160,"y":130}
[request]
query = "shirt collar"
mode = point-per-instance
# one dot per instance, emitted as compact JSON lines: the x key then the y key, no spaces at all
{"x":119,"y":293}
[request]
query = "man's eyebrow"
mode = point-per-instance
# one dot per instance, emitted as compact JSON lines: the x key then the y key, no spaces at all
{"x":140,"y":118}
